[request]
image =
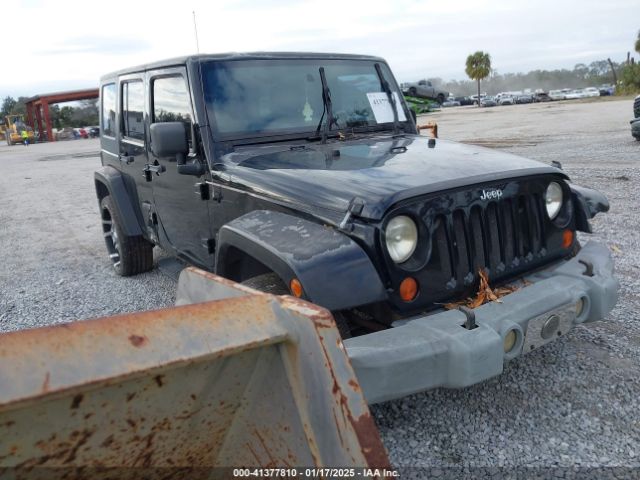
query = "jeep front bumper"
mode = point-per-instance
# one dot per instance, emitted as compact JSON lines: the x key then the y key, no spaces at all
{"x":438,"y":351}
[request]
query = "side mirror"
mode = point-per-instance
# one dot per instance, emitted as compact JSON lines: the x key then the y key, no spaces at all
{"x":169,"y":140}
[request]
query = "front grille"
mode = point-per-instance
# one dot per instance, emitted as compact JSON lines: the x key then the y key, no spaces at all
{"x":496,"y":238}
{"x":636,"y":108}
{"x":462,"y":234}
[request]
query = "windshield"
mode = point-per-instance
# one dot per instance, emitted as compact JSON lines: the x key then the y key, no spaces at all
{"x":270,"y":97}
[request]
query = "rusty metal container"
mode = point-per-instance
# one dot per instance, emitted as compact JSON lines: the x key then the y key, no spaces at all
{"x":249,"y":380}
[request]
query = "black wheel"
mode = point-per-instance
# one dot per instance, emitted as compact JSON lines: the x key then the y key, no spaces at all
{"x":271,"y":283}
{"x":413,"y":92}
{"x":129,"y":255}
{"x":440,"y":99}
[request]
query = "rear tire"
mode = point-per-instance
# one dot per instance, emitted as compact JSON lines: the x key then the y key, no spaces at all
{"x":440,"y":99}
{"x":413,"y":92}
{"x":271,"y":283}
{"x":129,"y":255}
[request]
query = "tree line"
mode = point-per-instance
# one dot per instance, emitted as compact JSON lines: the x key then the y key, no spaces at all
{"x":625,"y":76}
{"x":582,"y":75}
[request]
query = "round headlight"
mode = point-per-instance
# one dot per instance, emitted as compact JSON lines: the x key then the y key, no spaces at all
{"x":401,"y":237}
{"x":553,"y":199}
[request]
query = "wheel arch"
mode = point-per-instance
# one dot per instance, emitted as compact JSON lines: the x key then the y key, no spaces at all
{"x":333,"y":270}
{"x":109,"y":181}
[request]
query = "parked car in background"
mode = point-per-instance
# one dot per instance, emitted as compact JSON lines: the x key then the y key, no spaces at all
{"x":524,"y":99}
{"x":464,"y":100}
{"x":606,"y":89}
{"x":556,"y":95}
{"x":451,"y":102}
{"x":574,"y":94}
{"x":591,"y":92}
{"x":506,"y":100}
{"x":541,"y":97}
{"x":80,"y":133}
{"x":424,"y":89}
{"x":488,"y":102}
{"x":474,"y":98}
{"x":66,"y":133}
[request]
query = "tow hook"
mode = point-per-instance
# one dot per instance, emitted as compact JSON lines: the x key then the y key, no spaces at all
{"x":470,"y":322}
{"x":588,"y":270}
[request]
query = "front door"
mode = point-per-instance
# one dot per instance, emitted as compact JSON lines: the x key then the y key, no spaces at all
{"x":183,"y":216}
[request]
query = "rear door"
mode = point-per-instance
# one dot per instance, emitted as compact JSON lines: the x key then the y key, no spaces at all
{"x":108,"y":124}
{"x":183,"y":215}
{"x":132,"y":153}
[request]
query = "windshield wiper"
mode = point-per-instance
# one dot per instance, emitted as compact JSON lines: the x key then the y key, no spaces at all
{"x":326,"y":100}
{"x":392,"y":100}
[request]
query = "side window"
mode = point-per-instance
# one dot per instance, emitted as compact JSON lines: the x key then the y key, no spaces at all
{"x":133,"y":110}
{"x":171,"y":101}
{"x":109,"y":109}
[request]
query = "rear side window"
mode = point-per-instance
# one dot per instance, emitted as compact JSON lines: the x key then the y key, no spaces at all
{"x":109,"y":109}
{"x":133,"y":110}
{"x":171,"y":101}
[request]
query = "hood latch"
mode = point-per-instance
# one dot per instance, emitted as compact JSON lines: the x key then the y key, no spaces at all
{"x":355,"y":208}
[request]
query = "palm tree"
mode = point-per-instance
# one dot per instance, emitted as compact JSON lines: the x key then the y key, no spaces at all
{"x":478,"y":68}
{"x":637,"y":45}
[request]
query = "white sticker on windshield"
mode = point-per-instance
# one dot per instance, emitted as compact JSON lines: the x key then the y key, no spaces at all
{"x":382,"y":109}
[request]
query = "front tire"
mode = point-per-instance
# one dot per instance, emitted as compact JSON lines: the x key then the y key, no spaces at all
{"x":129,"y":255}
{"x":440,"y":99}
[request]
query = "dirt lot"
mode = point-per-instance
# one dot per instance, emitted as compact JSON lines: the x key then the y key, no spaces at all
{"x":572,"y":403}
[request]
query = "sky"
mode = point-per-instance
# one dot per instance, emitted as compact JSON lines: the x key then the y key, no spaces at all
{"x":61,"y":45}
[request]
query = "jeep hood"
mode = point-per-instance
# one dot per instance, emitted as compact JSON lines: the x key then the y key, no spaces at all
{"x":381,"y":171}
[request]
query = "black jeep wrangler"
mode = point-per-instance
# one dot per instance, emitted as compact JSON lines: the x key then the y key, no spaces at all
{"x":305,"y":174}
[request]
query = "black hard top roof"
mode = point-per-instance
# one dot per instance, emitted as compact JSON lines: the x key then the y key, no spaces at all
{"x":237,"y":56}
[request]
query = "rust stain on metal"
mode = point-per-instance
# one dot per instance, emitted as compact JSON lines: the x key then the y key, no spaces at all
{"x":370,"y":442}
{"x":265,"y":447}
{"x":77,"y":400}
{"x":83,"y":438}
{"x":137,"y":340}
{"x":159,"y":380}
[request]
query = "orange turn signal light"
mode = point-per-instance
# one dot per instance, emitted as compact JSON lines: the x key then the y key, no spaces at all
{"x":408,"y":289}
{"x":296,"y":287}
{"x":567,"y":238}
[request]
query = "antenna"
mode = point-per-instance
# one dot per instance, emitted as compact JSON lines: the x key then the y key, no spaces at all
{"x":195,"y":29}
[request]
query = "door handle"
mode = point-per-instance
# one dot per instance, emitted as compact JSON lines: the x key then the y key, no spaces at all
{"x":157,"y":169}
{"x":149,"y":169}
{"x":125,"y":158}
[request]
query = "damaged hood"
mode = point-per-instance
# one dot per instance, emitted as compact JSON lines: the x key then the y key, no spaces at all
{"x":381,"y":171}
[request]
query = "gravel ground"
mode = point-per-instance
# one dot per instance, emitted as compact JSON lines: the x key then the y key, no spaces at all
{"x":570,"y":406}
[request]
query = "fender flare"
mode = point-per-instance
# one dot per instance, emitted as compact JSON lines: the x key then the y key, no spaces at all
{"x":109,"y":181}
{"x":587,"y":203}
{"x":334,"y":271}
